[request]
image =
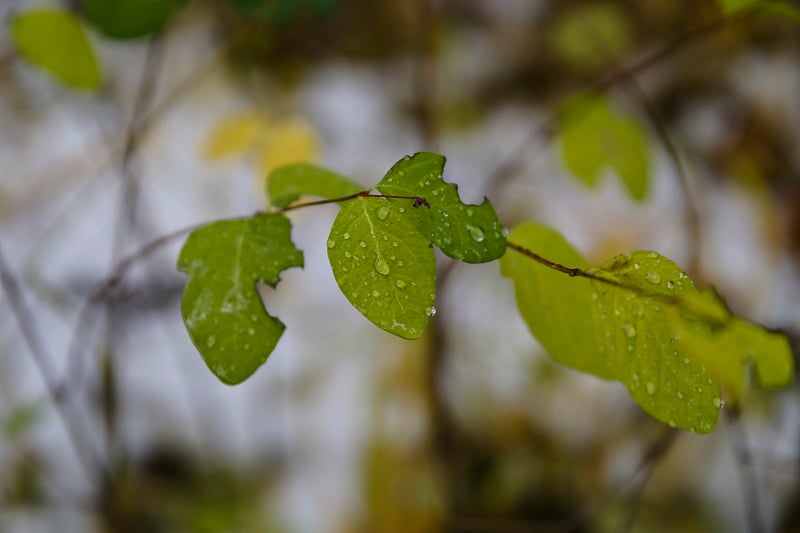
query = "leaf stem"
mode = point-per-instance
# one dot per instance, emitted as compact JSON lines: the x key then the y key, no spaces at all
{"x":418,"y":200}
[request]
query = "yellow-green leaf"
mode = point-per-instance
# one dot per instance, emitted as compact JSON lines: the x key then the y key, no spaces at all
{"x":594,"y":138}
{"x":54,"y":40}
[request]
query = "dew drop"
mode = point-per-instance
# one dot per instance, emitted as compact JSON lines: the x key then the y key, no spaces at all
{"x":376,"y":293}
{"x":651,"y":389}
{"x":362,"y":244}
{"x":402,"y":209}
{"x":680,"y":395}
{"x":381,"y":266}
{"x":382,"y":213}
{"x":672,"y":423}
{"x":469,"y":211}
{"x":430,"y":311}
{"x":331,"y":243}
{"x":475,"y":233}
{"x":652,"y":255}
{"x":400,"y":284}
{"x":653,"y":277}
{"x":400,"y":263}
{"x":719,"y":403}
{"x":251,"y":331}
{"x":346,"y":236}
{"x":211,"y":340}
{"x":254,"y":318}
{"x":629,"y":330}
{"x":670,"y":284}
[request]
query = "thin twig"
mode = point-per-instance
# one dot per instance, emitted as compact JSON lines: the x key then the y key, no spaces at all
{"x":692,"y":212}
{"x":749,"y":482}
{"x":508,"y":167}
{"x":69,"y":384}
{"x":26,"y":321}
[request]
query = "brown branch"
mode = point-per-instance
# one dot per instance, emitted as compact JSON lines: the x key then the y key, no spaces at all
{"x":692,"y":212}
{"x":418,"y":200}
{"x":77,"y":434}
{"x":506,"y":169}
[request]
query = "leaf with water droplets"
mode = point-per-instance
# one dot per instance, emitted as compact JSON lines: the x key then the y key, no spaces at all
{"x":469,"y":233}
{"x":727,"y":351}
{"x":638,"y":342}
{"x":221,"y":307}
{"x":640,"y":320}
{"x":383,"y":265}
{"x":594,"y":137}
{"x":287,"y":183}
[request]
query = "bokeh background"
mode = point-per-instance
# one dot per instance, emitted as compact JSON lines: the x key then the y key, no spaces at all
{"x":109,"y":419}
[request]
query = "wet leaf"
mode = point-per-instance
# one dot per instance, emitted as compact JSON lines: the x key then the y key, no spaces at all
{"x":469,"y":233}
{"x":287,"y":183}
{"x":221,"y":307}
{"x":383,"y":265}
{"x":641,"y":321}
{"x":54,"y":40}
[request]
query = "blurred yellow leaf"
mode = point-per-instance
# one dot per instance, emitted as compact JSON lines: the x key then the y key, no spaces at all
{"x":233,"y":135}
{"x":292,"y":140}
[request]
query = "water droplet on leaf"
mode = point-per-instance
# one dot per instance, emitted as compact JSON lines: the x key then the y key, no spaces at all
{"x":382,"y":213}
{"x":475,"y":233}
{"x":331,"y":243}
{"x":400,"y":284}
{"x":629,"y":330}
{"x":653,"y":277}
{"x":651,"y":389}
{"x":381,"y":266}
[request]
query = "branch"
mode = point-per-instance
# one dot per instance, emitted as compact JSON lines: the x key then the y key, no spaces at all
{"x":76,"y":433}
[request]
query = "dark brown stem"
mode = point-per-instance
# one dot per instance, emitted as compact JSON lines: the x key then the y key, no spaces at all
{"x":418,"y":200}
{"x":572,"y":272}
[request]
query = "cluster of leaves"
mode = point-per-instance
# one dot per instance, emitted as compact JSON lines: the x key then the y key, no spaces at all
{"x":54,"y":39}
{"x":637,"y":318}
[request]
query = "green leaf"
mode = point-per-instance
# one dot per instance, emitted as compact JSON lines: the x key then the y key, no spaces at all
{"x":591,"y":35}
{"x":639,"y":343}
{"x":129,"y":19}
{"x":287,"y":183}
{"x":221,"y":308}
{"x":593,"y":137}
{"x":53,"y":40}
{"x":728,"y":351}
{"x":554,"y":305}
{"x":769,"y":7}
{"x":639,"y":319}
{"x":469,"y":233}
{"x":383,"y":265}
{"x":20,"y":420}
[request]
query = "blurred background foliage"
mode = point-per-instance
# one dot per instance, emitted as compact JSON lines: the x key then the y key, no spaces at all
{"x":124,"y":120}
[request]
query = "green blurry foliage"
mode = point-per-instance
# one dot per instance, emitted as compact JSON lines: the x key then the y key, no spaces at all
{"x":129,"y":19}
{"x":593,"y":137}
{"x":54,"y":40}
